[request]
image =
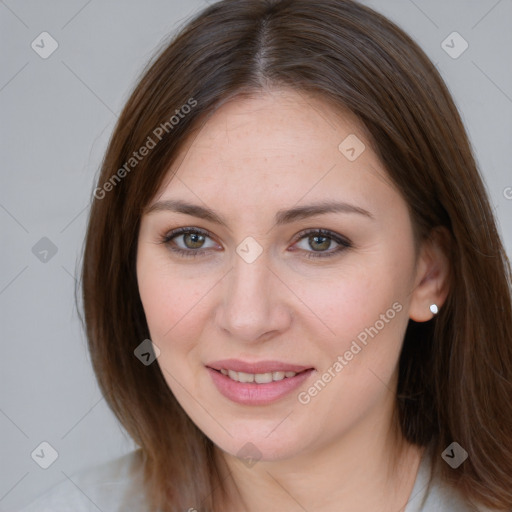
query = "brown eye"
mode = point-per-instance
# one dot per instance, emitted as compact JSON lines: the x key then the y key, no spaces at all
{"x":190,"y":241}
{"x":193,"y":240}
{"x":319,"y":242}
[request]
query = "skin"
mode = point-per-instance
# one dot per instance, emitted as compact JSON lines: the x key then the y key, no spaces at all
{"x":252,"y":158}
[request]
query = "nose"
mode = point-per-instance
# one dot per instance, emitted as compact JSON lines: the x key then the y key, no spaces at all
{"x":253,"y":306}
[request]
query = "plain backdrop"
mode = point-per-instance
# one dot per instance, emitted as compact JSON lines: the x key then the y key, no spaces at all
{"x":57,"y":114}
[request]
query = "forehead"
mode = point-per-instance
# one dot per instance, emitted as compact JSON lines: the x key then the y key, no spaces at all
{"x":279,"y":145}
{"x":280,"y":124}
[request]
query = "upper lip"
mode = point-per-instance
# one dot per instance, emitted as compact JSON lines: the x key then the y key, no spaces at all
{"x":256,"y":367}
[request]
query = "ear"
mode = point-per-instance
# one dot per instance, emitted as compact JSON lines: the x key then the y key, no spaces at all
{"x":432,"y":280}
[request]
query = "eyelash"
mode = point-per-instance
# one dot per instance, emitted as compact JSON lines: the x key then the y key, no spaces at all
{"x":167,"y":239}
{"x":343,"y":243}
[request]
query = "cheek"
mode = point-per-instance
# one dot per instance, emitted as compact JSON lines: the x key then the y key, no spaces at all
{"x":360,"y":320}
{"x":173,"y":304}
{"x":345,"y":303}
{"x":176,"y":314}
{"x":367,"y":317}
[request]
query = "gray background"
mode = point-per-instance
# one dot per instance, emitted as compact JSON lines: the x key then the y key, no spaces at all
{"x":56,"y":117}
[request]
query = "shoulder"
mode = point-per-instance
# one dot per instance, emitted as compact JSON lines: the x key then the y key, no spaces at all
{"x":431,"y":494}
{"x":114,"y":486}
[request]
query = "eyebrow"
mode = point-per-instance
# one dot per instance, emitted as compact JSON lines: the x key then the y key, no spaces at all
{"x":282,"y":216}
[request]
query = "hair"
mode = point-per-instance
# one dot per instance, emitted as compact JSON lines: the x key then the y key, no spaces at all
{"x":455,"y":372}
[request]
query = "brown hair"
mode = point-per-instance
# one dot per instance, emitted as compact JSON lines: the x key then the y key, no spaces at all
{"x":455,"y":372}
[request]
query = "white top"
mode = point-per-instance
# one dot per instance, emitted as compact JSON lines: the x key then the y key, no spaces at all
{"x":117,"y":487}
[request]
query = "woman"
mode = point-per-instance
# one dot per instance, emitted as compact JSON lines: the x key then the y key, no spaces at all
{"x":295,"y":295}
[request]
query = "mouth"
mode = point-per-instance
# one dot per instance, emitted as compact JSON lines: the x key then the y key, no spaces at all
{"x":258,"y":378}
{"x":257,"y":383}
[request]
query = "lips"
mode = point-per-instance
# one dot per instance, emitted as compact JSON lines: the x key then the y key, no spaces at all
{"x":258,"y":367}
{"x":259,"y":383}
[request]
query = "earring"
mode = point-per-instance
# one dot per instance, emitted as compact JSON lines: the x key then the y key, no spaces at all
{"x":434,"y":309}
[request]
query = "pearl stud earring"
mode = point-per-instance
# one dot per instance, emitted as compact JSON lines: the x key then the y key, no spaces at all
{"x":434,"y":309}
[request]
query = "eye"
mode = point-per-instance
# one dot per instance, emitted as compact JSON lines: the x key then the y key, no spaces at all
{"x":189,"y":241}
{"x":321,"y":243}
{"x":316,"y":243}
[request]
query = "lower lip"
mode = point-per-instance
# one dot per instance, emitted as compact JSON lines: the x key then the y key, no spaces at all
{"x":248,"y":393}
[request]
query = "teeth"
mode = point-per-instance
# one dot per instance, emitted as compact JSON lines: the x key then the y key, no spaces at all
{"x":245,"y":377}
{"x":259,"y":378}
{"x":263,"y":378}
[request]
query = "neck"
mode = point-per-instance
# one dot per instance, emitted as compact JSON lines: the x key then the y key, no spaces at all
{"x":370,"y":468}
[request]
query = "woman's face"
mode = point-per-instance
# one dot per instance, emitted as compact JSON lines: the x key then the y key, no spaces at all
{"x":294,"y":277}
